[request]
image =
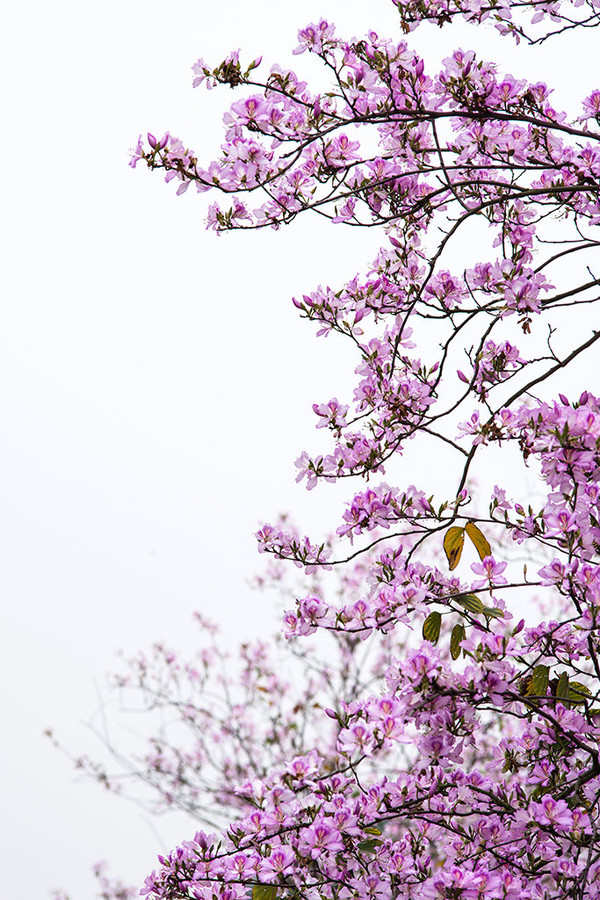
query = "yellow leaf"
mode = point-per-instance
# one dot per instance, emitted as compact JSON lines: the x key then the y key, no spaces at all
{"x":264,"y":892}
{"x":454,"y":541}
{"x":479,"y":540}
{"x":538,"y":684}
{"x":456,"y":638}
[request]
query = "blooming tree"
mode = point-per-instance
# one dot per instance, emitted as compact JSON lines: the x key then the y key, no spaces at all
{"x":467,"y":765}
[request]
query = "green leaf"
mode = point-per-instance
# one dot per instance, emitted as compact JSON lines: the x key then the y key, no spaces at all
{"x":562,"y":688}
{"x":537,"y":792}
{"x":456,"y":639}
{"x":578,"y":692}
{"x":479,"y":540}
{"x":264,"y":892}
{"x":580,"y":688}
{"x":431,"y":627}
{"x":369,"y":846}
{"x":492,"y":612}
{"x":539,"y":682}
{"x":372,"y":829}
{"x":471,"y":602}
{"x":454,"y":541}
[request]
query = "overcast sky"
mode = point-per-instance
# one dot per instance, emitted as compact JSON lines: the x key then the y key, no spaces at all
{"x":156,"y":383}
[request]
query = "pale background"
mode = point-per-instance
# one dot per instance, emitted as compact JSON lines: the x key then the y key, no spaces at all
{"x":156,"y":382}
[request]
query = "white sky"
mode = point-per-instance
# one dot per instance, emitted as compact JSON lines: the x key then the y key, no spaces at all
{"x":156,"y":382}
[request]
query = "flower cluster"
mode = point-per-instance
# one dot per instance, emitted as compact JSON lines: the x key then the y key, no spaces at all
{"x":494,"y":364}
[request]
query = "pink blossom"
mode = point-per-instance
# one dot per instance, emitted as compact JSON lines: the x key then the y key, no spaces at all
{"x":492,"y":571}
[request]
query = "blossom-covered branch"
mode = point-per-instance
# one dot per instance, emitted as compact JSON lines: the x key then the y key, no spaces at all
{"x":467,"y":765}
